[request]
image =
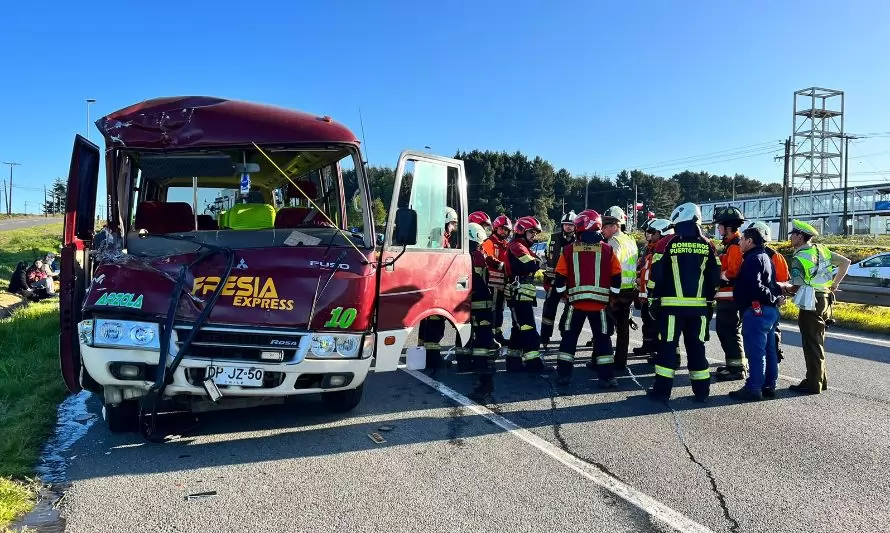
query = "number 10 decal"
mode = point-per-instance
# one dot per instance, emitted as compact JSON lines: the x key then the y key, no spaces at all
{"x":341,"y":318}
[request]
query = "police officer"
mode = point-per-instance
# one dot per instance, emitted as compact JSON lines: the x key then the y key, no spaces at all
{"x":589,"y":273}
{"x":816,"y":273}
{"x":551,"y":302}
{"x":684,"y":278}
{"x":523,"y":265}
{"x":495,"y":250}
{"x":432,"y":329}
{"x":729,"y":321}
{"x":482,"y":340}
{"x":655,"y":231}
{"x":625,"y":247}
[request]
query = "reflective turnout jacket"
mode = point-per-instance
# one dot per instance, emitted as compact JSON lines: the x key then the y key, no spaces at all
{"x":481,"y":293}
{"x":780,"y":265}
{"x":685,"y":274}
{"x":494,"y":249}
{"x":522,"y":267}
{"x":730,"y":264}
{"x":645,"y":268}
{"x":591,"y":272}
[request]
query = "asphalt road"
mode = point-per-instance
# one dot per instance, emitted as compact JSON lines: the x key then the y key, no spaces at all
{"x":572,"y":459}
{"x":20,"y":223}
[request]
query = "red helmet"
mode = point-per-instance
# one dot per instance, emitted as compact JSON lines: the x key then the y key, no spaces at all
{"x":503,"y":222}
{"x":588,"y":220}
{"x":480,"y":217}
{"x":527,"y":224}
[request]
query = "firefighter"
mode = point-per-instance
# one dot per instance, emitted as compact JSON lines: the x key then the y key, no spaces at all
{"x":551,"y":302}
{"x":432,"y":328}
{"x":523,"y":265}
{"x":655,"y":230}
{"x":682,"y":283}
{"x":589,"y":273}
{"x":816,"y":273}
{"x":780,"y":268}
{"x":729,"y":320}
{"x":481,"y":218}
{"x":625,"y":247}
{"x":482,"y":340}
{"x":495,"y":250}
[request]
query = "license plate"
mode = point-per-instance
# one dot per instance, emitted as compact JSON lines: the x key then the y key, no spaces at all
{"x":236,"y":375}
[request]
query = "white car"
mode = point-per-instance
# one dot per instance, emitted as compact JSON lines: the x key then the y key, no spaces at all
{"x":876,"y":266}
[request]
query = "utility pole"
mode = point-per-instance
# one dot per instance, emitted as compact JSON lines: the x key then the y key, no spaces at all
{"x":847,"y":226}
{"x":9,"y":198}
{"x":786,"y":178}
{"x":45,"y":211}
{"x":634,"y":226}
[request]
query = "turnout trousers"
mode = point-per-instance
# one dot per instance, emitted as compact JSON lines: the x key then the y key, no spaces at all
{"x":602,"y":328}
{"x":548,"y":314}
{"x":650,"y":330}
{"x":524,"y":347}
{"x":694,"y":329}
{"x":497,"y":298}
{"x":429,"y":335}
{"x":729,"y":331}
{"x":623,"y":301}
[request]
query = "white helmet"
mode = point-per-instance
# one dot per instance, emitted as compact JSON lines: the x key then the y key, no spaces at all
{"x":476,"y":232}
{"x":688,"y":212}
{"x":450,"y":215}
{"x":617,"y":213}
{"x":761,"y":227}
{"x":569,"y":218}
{"x":661,"y":225}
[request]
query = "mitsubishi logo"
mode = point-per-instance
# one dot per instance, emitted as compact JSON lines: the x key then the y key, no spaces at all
{"x":242,"y":265}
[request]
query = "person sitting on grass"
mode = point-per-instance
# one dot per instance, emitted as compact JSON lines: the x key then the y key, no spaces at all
{"x":18,"y":283}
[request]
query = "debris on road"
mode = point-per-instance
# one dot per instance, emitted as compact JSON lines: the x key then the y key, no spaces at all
{"x":376,"y":437}
{"x":200,"y":495}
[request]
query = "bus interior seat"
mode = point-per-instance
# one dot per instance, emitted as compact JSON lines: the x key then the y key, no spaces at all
{"x":164,"y":217}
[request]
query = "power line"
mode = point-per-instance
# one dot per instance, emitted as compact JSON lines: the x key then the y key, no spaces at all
{"x":690,"y":159}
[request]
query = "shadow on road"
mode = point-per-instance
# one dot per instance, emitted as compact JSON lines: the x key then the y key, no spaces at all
{"x":392,"y":400}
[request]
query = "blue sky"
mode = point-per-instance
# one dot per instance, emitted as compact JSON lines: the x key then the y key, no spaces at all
{"x":590,"y":86}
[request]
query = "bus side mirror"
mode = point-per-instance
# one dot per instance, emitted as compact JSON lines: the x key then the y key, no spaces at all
{"x":405,"y":231}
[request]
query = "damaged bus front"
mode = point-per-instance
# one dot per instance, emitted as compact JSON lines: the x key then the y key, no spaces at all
{"x":227,"y":275}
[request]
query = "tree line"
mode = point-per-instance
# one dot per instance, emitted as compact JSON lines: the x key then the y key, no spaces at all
{"x":499,"y":182}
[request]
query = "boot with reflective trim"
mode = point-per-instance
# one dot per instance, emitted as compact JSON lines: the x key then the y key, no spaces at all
{"x":730,"y":373}
{"x":564,"y":369}
{"x":464,"y":362}
{"x":611,"y":383}
{"x":534,"y":363}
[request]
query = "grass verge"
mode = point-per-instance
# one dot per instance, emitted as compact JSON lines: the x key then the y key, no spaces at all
{"x":30,"y":386}
{"x":853,"y":316}
{"x":16,"y":499}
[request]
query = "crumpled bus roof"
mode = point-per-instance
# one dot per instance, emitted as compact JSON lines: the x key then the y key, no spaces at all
{"x":203,"y":121}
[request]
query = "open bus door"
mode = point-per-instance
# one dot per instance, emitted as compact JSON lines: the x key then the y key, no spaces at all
{"x":422,"y":275}
{"x":80,"y":215}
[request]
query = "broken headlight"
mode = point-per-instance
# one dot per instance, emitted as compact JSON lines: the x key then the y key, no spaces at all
{"x":120,"y":334}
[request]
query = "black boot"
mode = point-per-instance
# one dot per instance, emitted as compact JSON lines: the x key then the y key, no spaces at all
{"x":434,"y":360}
{"x":564,"y":371}
{"x":535,"y":366}
{"x":464,"y":362}
{"x":514,"y":364}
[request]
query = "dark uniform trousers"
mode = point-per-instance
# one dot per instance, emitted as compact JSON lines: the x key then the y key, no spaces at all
{"x":729,"y":331}
{"x":524,"y":345}
{"x":482,"y":341}
{"x":548,"y":314}
{"x":694,"y":329}
{"x":812,"y":331}
{"x":601,"y":326}
{"x":622,"y":302}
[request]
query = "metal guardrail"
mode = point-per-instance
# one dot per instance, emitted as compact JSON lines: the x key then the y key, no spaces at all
{"x":867,"y":291}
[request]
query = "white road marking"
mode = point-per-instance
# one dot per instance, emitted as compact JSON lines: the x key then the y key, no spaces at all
{"x":647,"y":504}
